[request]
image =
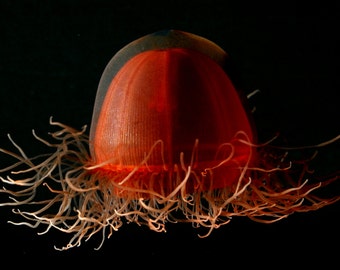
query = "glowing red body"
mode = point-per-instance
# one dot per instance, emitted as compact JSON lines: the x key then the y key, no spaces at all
{"x":174,"y":96}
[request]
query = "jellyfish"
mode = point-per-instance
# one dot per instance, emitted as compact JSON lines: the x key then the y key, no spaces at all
{"x":171,"y":140}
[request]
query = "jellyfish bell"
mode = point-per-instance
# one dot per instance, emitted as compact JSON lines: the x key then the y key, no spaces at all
{"x":168,"y":82}
{"x":170,"y":141}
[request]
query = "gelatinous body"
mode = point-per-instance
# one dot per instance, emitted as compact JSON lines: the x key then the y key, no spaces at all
{"x":170,"y":140}
{"x":166,"y":93}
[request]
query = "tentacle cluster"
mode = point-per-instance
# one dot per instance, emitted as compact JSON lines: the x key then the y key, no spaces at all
{"x":80,"y":201}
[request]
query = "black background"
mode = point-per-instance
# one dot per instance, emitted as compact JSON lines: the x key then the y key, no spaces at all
{"x":52,"y":54}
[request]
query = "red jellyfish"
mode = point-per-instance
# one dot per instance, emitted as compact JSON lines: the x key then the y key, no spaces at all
{"x":170,"y":141}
